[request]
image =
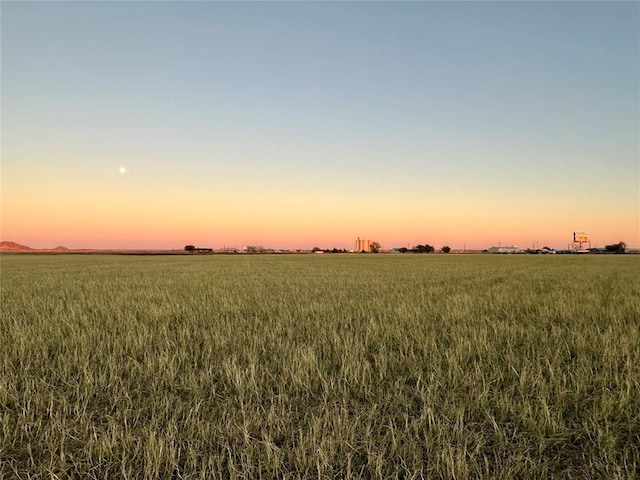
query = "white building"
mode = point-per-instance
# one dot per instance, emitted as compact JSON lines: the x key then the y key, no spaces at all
{"x":505,"y":249}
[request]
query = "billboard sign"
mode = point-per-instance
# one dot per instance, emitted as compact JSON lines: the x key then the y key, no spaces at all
{"x":580,"y":237}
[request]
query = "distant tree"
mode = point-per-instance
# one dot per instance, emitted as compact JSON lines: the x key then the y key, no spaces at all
{"x":316,"y":249}
{"x":255,"y":249}
{"x":189,"y":248}
{"x":620,"y":247}
{"x":423,"y":249}
{"x":374,"y":247}
{"x":403,"y":249}
{"x":445,"y":249}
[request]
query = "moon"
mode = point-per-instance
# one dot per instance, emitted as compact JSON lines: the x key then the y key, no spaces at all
{"x":123,"y":170}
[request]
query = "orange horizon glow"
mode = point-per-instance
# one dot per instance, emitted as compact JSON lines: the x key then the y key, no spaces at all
{"x":99,"y":235}
{"x":142,"y":217}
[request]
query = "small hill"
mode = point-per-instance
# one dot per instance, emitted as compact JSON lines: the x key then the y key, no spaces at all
{"x":60,"y":249}
{"x":14,"y":247}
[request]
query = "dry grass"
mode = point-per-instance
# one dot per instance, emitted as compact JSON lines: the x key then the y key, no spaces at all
{"x":345,"y":366}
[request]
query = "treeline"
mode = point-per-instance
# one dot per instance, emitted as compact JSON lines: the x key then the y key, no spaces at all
{"x":616,"y":248}
{"x":424,"y":249}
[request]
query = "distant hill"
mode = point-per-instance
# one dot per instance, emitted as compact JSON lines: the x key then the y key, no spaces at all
{"x":14,"y":247}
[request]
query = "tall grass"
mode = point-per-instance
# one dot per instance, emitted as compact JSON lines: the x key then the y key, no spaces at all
{"x":346,"y":366}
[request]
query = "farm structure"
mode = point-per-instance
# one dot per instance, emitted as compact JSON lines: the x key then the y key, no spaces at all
{"x":505,"y":249}
{"x":363,"y":245}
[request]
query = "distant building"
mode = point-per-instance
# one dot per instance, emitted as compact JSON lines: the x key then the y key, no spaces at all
{"x":505,"y":249}
{"x":363,"y":245}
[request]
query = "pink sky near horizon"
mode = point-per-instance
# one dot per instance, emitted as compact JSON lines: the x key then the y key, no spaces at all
{"x":100,"y":216}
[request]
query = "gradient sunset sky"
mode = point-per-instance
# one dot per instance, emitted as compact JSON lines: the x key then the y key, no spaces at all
{"x":293,"y":125}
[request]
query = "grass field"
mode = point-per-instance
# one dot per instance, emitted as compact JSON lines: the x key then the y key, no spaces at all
{"x":303,"y":366}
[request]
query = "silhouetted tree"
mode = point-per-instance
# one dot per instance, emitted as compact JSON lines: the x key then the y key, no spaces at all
{"x":445,"y":249}
{"x":374,"y":247}
{"x":620,"y":247}
{"x":423,"y":249}
{"x":189,"y":248}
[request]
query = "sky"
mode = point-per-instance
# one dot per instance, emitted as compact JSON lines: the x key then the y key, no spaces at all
{"x":301,"y":124}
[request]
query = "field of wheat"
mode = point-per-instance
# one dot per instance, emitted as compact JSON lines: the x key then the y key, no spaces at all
{"x":310,"y":366}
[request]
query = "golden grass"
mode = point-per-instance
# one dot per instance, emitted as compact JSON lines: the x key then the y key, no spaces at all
{"x":342,"y":366}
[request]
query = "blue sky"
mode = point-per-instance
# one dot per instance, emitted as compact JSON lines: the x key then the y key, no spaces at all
{"x":519,"y":119}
